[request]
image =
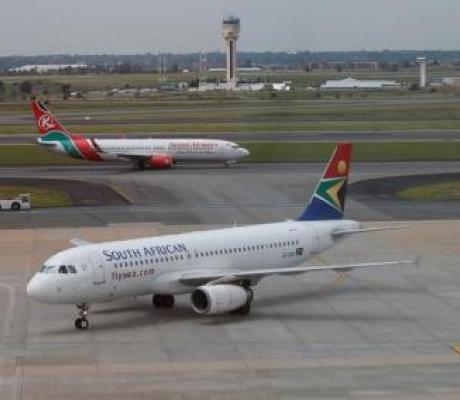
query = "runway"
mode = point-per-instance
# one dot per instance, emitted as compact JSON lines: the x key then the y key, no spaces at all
{"x":363,"y":335}
{"x":243,"y":193}
{"x":272,"y":136}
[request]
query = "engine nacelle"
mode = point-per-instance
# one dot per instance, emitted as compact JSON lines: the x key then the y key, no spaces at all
{"x":217,"y":299}
{"x":160,"y":161}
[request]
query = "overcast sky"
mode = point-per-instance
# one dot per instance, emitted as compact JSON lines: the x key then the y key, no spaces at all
{"x":29,"y":27}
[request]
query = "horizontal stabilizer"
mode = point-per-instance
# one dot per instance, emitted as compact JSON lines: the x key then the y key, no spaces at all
{"x":339,"y":233}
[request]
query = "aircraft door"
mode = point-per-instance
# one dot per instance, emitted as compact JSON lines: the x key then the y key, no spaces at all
{"x":315,"y":245}
{"x":98,"y":268}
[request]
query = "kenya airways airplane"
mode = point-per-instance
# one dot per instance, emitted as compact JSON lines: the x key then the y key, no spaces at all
{"x":154,"y":153}
{"x":217,"y":267}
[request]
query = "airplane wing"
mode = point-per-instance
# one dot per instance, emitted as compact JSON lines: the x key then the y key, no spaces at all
{"x":78,"y":242}
{"x":213,"y":277}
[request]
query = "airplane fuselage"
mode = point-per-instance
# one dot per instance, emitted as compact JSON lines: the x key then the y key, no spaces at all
{"x":108,"y":271}
{"x":180,"y":150}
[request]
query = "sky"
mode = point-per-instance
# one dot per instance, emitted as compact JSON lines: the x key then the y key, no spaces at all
{"x":31,"y":27}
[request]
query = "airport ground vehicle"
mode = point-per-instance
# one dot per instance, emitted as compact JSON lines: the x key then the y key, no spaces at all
{"x":20,"y":202}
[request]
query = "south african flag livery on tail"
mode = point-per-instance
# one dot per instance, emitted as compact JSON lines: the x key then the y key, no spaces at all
{"x":328,"y":200}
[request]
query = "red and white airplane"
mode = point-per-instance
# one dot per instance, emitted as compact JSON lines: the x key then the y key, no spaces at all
{"x":154,"y":153}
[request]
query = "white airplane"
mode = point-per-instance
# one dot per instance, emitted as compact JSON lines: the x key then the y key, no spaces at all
{"x":218,"y":267}
{"x":154,"y":153}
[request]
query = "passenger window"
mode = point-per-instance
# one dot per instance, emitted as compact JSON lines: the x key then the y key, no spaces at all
{"x":63,"y":270}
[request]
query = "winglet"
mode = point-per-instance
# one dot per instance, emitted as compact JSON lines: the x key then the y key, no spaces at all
{"x":328,"y":200}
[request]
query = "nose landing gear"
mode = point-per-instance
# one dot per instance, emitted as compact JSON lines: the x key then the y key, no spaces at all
{"x":82,"y":321}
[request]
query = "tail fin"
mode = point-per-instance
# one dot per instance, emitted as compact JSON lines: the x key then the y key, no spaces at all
{"x":46,"y":122}
{"x":328,"y":200}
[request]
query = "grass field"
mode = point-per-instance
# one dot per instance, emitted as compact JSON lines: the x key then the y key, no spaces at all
{"x":439,"y":191}
{"x":319,"y":152}
{"x":40,"y":197}
{"x":271,"y":152}
{"x":253,"y":116}
{"x":17,"y":155}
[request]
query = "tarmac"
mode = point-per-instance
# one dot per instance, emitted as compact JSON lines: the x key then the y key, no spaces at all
{"x":213,"y":194}
{"x":273,"y":136}
{"x":387,"y":334}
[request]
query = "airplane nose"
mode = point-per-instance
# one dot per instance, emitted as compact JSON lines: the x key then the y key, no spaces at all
{"x":34,"y":290}
{"x":244,"y":152}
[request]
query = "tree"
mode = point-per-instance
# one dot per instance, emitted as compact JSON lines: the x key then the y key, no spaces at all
{"x":26,"y":87}
{"x":65,"y":89}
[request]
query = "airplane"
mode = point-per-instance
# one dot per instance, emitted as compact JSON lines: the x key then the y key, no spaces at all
{"x":153,"y":153}
{"x":217,"y":267}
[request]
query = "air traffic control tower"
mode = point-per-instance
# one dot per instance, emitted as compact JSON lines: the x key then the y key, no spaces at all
{"x":231,"y":31}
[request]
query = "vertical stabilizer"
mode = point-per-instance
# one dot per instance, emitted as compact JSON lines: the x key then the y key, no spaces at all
{"x":328,"y":200}
{"x":46,"y":122}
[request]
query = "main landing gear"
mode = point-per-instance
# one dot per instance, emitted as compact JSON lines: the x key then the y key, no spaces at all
{"x":140,"y":165}
{"x":163,"y":300}
{"x":82,"y":321}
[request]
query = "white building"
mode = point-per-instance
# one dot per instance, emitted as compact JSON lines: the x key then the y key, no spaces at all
{"x":350,"y":83}
{"x":42,"y":68}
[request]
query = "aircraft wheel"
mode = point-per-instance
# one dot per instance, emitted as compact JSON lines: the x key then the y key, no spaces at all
{"x":81,"y":323}
{"x":163,"y":300}
{"x":245,"y":310}
{"x":140,"y":165}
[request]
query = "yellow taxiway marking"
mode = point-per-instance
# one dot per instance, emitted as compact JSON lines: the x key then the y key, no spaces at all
{"x":456,"y":348}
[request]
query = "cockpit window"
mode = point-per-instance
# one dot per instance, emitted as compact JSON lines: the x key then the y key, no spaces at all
{"x":234,"y":146}
{"x":63,"y":270}
{"x":46,"y":269}
{"x":72,"y":269}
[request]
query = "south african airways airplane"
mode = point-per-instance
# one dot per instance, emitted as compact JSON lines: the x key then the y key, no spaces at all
{"x":217,"y":267}
{"x":153,"y":153}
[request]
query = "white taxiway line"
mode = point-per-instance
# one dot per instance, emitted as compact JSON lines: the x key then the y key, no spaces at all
{"x":6,"y":329}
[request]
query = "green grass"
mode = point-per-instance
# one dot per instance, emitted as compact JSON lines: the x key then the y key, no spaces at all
{"x":437,"y":191}
{"x":217,"y":127}
{"x":19,"y":155}
{"x":271,"y":152}
{"x":40,"y":197}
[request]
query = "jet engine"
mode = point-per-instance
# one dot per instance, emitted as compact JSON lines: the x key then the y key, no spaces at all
{"x":217,"y":299}
{"x":160,"y":161}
